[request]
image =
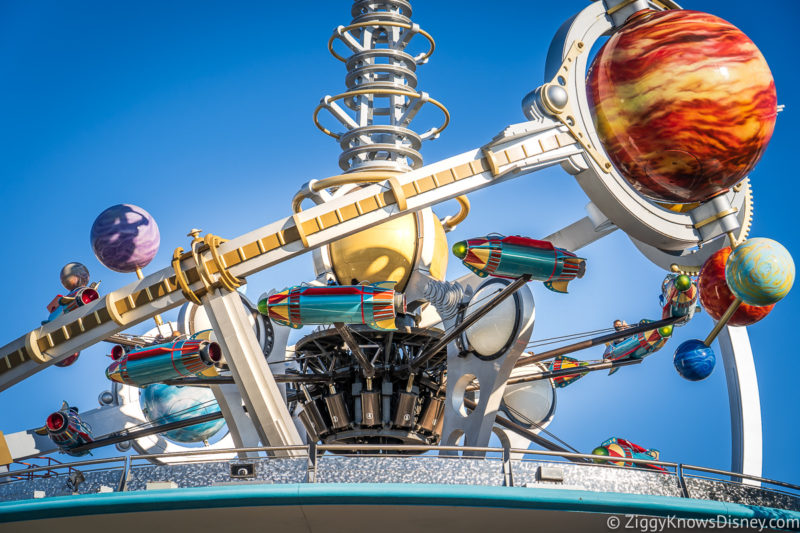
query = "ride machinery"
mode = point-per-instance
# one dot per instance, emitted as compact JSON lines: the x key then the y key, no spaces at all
{"x":399,"y":354}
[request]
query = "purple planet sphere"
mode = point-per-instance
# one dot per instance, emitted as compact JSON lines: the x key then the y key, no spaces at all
{"x":125,"y":237}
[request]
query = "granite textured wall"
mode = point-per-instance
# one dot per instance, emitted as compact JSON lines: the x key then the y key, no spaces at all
{"x":57,"y":485}
{"x":216,"y":473}
{"x":421,"y":469}
{"x":447,"y":470}
{"x":598,"y":478}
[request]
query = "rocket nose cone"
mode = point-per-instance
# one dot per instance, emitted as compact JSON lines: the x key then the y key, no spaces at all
{"x":601,"y":451}
{"x":460,"y":249}
{"x":112,"y":373}
{"x":683,"y":283}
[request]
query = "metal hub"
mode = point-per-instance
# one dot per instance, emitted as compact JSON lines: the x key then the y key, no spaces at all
{"x":396,"y":406}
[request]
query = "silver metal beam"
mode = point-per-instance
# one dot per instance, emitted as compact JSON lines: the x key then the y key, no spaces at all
{"x":260,"y":393}
{"x":745,"y":405}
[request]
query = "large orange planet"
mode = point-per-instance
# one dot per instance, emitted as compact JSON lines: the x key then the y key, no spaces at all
{"x":716,"y":296}
{"x":684,"y":104}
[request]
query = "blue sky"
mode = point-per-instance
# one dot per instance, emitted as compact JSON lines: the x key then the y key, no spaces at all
{"x":201,"y":114}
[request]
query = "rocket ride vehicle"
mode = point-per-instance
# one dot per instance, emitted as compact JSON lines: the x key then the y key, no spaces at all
{"x":374,"y":305}
{"x":515,"y":256}
{"x":679,"y":296}
{"x":78,"y":297}
{"x":637,"y":346}
{"x":616,"y":447}
{"x":161,"y":362}
{"x":66,"y":429}
{"x":75,"y":278}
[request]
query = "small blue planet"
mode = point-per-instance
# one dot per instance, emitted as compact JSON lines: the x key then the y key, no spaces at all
{"x":162,"y":404}
{"x":694,"y":360}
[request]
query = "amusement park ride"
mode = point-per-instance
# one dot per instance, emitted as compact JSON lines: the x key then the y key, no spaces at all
{"x":660,"y":129}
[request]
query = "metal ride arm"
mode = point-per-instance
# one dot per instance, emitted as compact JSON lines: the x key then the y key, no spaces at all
{"x":519,"y":149}
{"x":543,"y":143}
{"x":582,"y":345}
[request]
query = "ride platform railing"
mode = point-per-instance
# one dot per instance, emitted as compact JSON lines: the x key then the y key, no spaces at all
{"x":370,"y":463}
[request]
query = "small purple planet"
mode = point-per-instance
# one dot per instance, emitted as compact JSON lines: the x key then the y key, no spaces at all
{"x":125,"y":237}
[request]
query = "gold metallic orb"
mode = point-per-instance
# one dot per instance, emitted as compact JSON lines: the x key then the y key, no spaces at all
{"x":388,"y":252}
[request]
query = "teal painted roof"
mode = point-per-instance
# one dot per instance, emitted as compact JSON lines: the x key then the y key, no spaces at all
{"x":306,"y":494}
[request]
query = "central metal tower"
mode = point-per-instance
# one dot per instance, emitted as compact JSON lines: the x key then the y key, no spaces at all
{"x":381,"y":97}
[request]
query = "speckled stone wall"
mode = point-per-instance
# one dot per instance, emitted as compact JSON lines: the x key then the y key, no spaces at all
{"x":706,"y":489}
{"x":57,"y":485}
{"x":206,"y":474}
{"x":447,"y":470}
{"x":598,"y":478}
{"x":422,"y":469}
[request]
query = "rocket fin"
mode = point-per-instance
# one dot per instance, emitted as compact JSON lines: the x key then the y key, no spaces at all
{"x":557,"y":286}
{"x":562,"y":362}
{"x":383,"y":325}
{"x":476,"y":271}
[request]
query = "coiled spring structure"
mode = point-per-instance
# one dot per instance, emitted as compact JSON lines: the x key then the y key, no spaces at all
{"x":381,"y":98}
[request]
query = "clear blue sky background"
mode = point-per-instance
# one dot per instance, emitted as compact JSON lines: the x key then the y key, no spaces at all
{"x":200,"y":112}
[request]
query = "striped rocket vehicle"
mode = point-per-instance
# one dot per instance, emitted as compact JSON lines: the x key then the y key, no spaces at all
{"x":75,"y":298}
{"x":678,"y":298}
{"x":375,"y":305}
{"x":515,"y":256}
{"x":61,"y":305}
{"x":637,"y":346}
{"x":160,"y":362}
{"x":67,"y":431}
{"x":625,"y":449}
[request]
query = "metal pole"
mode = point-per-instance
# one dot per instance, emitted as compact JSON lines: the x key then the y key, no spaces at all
{"x":594,"y":367}
{"x":148,"y":431}
{"x":525,"y":432}
{"x":226,"y":380}
{"x":355,"y":349}
{"x":723,"y":320}
{"x":468,"y":321}
{"x":627,"y":332}
{"x":568,"y":372}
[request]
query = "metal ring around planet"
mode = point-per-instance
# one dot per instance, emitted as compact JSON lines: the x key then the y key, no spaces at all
{"x":643,"y":220}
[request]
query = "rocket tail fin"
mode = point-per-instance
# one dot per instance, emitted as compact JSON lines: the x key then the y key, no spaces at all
{"x":563,"y":362}
{"x":383,"y":325}
{"x":476,"y":271}
{"x":557,"y":286}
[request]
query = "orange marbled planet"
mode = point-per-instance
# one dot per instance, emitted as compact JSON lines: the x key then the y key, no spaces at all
{"x":716,"y":296}
{"x":684,"y":104}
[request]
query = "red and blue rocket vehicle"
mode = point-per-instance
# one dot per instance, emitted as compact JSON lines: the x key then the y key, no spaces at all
{"x":161,"y":362}
{"x":375,"y":305}
{"x":515,"y":256}
{"x":637,"y":346}
{"x":74,"y":278}
{"x":616,"y":447}
{"x":63,"y":304}
{"x":678,"y":298}
{"x":679,"y":295}
{"x":66,"y":429}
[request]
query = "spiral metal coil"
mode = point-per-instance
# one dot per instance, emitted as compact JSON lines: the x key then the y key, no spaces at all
{"x":381,"y":91}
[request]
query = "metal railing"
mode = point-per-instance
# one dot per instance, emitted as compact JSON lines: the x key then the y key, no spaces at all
{"x":506,"y":455}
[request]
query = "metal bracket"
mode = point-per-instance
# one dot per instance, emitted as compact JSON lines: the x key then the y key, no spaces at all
{"x":562,"y":110}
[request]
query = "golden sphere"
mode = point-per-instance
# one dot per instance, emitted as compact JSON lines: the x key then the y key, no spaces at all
{"x":388,"y":252}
